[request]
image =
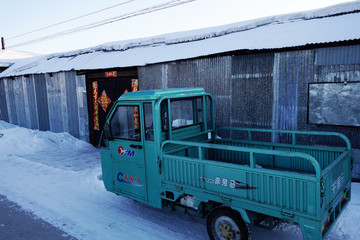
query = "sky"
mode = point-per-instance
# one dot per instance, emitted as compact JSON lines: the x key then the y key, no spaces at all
{"x":19,"y":17}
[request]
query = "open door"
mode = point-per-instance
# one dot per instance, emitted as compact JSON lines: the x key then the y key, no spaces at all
{"x":127,"y":152}
{"x":103,"y":89}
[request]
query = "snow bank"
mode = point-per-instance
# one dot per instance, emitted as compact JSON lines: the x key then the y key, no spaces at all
{"x":58,"y":178}
{"x":20,"y":141}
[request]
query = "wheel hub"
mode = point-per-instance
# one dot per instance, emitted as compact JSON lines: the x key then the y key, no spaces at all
{"x":226,"y":231}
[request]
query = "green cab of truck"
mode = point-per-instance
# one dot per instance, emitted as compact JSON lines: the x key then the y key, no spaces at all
{"x":160,"y":147}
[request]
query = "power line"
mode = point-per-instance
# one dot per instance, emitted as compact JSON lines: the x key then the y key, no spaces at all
{"x":72,"y":19}
{"x":143,"y":11}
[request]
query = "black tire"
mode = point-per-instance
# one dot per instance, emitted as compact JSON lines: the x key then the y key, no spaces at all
{"x":226,"y":224}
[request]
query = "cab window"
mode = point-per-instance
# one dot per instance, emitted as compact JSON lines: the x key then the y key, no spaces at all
{"x":148,"y":119}
{"x":125,"y":123}
{"x":184,"y":112}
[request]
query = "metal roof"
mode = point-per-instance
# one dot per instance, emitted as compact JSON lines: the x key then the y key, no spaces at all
{"x":333,"y":24}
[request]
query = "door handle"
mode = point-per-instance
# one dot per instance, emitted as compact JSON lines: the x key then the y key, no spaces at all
{"x":136,"y":146}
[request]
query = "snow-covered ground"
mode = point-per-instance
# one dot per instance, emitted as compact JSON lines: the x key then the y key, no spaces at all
{"x":58,"y":178}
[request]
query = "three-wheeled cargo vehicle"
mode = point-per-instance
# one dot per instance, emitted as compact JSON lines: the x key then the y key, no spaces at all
{"x":160,"y":147}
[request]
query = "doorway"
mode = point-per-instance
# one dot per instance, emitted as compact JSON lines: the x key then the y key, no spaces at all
{"x":104,"y":87}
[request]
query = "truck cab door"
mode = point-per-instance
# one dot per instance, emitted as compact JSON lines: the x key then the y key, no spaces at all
{"x":127,"y":153}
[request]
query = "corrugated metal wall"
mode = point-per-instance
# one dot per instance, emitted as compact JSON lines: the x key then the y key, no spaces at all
{"x":47,"y":102}
{"x":339,"y":65}
{"x":213,"y":74}
{"x":3,"y":103}
{"x":264,"y":90}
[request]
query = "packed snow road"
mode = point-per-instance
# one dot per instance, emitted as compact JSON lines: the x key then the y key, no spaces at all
{"x":57,"y":178}
{"x":17,"y":224}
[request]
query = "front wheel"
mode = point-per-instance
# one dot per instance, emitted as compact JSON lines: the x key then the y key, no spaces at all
{"x":226,"y":224}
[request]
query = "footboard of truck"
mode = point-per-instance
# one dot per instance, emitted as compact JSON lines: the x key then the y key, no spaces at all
{"x":308,"y":185}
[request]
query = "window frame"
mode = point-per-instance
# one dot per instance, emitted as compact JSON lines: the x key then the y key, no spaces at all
{"x":330,"y":124}
{"x":152,"y":119}
{"x":139,"y":139}
{"x":197,"y":117}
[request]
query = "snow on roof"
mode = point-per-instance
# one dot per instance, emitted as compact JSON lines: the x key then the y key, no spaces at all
{"x":332,"y":24}
{"x":9,"y":57}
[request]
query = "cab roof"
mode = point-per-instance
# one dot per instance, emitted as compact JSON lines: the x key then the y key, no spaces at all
{"x":158,"y":93}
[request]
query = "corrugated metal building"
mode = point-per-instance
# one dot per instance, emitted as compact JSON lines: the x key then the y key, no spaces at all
{"x":294,"y":72}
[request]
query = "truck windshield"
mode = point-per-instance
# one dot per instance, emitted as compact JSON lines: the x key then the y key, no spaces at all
{"x":125,"y":123}
{"x":184,"y":112}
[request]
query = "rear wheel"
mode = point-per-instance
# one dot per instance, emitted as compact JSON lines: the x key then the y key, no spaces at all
{"x":226,"y":224}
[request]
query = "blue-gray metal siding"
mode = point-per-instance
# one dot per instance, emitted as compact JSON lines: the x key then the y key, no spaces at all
{"x":3,"y":103}
{"x":42,"y":102}
{"x":338,"y":55}
{"x":267,"y":90}
{"x":11,"y":101}
{"x":31,"y":100}
{"x":57,"y":103}
{"x":252,"y":85}
{"x":72,"y":104}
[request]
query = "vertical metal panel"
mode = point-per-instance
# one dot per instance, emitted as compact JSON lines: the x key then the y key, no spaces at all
{"x":31,"y":100}
{"x":252,"y":90}
{"x":295,"y":71}
{"x":337,"y":73}
{"x":3,"y":102}
{"x":42,"y":102}
{"x":83,"y":116}
{"x":72,"y":104}
{"x":214,"y":74}
{"x":26,"y":101}
{"x":20,"y":101}
{"x":152,"y":77}
{"x":60,"y":78}
{"x":182,"y":74}
{"x":9,"y":85}
{"x":338,"y":55}
{"x":54,"y":103}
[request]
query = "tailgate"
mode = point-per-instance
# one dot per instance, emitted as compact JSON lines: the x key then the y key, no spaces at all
{"x":336,"y":184}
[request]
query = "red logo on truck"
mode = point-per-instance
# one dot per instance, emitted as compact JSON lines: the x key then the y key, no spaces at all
{"x":121,"y":150}
{"x":125,"y":152}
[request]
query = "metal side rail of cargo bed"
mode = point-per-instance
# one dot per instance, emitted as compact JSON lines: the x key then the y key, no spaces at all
{"x":313,"y":200}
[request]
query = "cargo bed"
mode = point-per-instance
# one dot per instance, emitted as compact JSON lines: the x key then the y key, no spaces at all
{"x":308,"y":185}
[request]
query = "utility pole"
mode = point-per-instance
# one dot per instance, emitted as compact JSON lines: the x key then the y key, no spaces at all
{"x":2,"y":43}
